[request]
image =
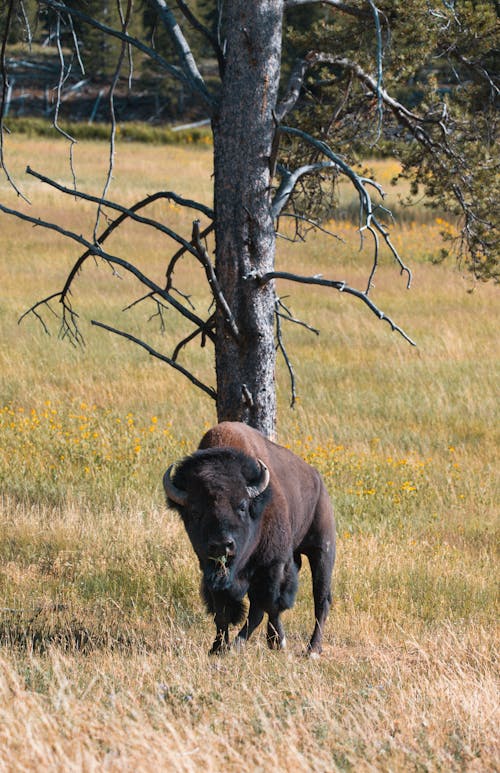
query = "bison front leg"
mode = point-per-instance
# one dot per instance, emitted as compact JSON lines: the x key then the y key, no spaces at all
{"x":275,"y":635}
{"x":226,"y":611}
{"x":221,"y":641}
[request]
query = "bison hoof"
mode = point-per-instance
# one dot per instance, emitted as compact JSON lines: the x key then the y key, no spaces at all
{"x":218,"y":648}
{"x":274,"y":643}
{"x":218,"y":651}
{"x":313,"y":652}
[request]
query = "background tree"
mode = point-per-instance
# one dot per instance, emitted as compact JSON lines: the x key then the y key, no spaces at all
{"x":284,"y":132}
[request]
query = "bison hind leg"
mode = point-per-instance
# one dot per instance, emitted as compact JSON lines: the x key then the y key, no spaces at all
{"x":286,"y":599}
{"x":254,"y":619}
{"x":289,"y":587}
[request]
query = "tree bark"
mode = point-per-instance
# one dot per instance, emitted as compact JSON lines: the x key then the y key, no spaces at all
{"x":244,"y":128}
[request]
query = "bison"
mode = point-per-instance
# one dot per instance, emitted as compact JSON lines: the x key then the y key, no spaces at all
{"x":251,"y":509}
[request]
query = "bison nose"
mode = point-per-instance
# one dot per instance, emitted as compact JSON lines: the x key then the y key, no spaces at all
{"x":223,"y":547}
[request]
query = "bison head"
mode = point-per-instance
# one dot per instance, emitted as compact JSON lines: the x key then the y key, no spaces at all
{"x":220,"y":494}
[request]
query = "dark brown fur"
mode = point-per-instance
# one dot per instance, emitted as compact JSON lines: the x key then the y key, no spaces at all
{"x":254,"y":545}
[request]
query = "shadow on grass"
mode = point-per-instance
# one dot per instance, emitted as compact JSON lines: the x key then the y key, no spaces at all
{"x":56,"y":625}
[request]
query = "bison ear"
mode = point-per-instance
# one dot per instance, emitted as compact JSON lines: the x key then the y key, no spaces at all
{"x":262,"y":483}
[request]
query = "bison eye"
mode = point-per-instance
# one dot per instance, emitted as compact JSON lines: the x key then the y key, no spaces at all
{"x":242,"y":507}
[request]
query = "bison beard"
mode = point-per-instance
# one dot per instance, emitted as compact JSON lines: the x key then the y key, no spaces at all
{"x":251,"y":509}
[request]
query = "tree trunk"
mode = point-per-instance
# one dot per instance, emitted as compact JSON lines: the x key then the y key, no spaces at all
{"x":243,"y":130}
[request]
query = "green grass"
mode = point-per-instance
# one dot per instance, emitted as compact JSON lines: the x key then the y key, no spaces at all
{"x":103,"y":636}
{"x":131,"y":131}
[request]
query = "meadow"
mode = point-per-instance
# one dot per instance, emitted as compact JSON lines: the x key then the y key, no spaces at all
{"x":103,"y":637}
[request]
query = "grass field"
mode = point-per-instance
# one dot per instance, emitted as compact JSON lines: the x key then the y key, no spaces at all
{"x":103,"y":638}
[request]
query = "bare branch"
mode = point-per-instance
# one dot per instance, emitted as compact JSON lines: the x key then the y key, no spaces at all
{"x":352,"y":10}
{"x":335,"y":284}
{"x":212,"y":281}
{"x":312,"y":223}
{"x":290,"y":318}
{"x":296,"y":80}
{"x":3,"y":99}
{"x":76,"y":45}
{"x":368,"y":221}
{"x":440,"y":151}
{"x":112,"y":135}
{"x":380,"y":52}
{"x":197,"y":25}
{"x":400,"y":110}
{"x":208,"y":390}
{"x":137,"y":301}
{"x":188,"y":61}
{"x":478,"y":68}
{"x":282,"y":349}
{"x":176,"y":72}
{"x":175,"y":258}
{"x":113,"y":260}
{"x":130,"y":211}
{"x":68,"y":318}
{"x":206,"y":332}
{"x":112,"y":226}
{"x":294,"y":86}
{"x":160,"y":309}
{"x":375,"y":86}
{"x":26,"y":23}
{"x":289,"y":181}
{"x":62,"y":77}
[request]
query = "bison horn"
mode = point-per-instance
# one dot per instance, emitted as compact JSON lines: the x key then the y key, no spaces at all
{"x":262,"y":483}
{"x":175,"y":494}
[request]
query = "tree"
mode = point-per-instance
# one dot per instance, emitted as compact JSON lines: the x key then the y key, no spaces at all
{"x":274,"y":127}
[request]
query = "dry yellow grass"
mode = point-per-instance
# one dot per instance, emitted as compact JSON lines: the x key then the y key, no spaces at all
{"x":103,"y":638}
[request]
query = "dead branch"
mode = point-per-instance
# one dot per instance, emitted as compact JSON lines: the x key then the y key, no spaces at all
{"x":208,"y":390}
{"x":68,"y":318}
{"x":438,"y":149}
{"x":62,"y":77}
{"x":3,"y":98}
{"x":76,"y":44}
{"x":176,"y":72}
{"x":197,"y":25}
{"x":130,"y":212}
{"x":206,"y":332}
{"x":352,"y":10}
{"x":180,"y":252}
{"x":109,"y":230}
{"x":188,"y":62}
{"x":412,"y":121}
{"x":160,"y":309}
{"x":113,"y":260}
{"x":212,"y":281}
{"x":341,"y":286}
{"x":281,"y":348}
{"x":125,"y":20}
{"x":312,"y":223}
{"x":288,"y":316}
{"x":294,"y":87}
{"x":288,"y":182}
{"x":190,"y":203}
{"x":380,"y":52}
{"x":368,"y":221}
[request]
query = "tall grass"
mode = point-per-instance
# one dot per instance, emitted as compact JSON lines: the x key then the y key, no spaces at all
{"x":103,"y":637}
